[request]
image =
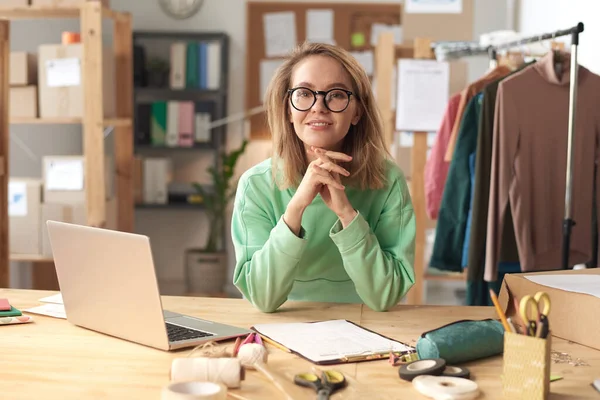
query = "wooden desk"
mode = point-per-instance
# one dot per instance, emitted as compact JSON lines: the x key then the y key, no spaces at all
{"x":52,"y":359}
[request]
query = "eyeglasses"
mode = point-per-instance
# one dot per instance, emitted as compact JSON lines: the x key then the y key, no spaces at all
{"x":336,"y":100}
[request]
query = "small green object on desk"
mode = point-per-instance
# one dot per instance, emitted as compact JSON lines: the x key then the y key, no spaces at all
{"x":555,"y":378}
{"x":13,"y":312}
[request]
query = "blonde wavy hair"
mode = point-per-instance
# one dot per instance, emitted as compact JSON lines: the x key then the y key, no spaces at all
{"x":364,"y":142}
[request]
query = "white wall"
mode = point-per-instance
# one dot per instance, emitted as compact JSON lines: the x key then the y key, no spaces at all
{"x":169,"y":243}
{"x":541,"y":16}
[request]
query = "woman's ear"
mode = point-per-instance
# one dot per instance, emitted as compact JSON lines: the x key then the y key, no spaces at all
{"x":357,"y":116}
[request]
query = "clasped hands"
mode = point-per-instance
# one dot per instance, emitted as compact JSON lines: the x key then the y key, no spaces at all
{"x":323,"y":177}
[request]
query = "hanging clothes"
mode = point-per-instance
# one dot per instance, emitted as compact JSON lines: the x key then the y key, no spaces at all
{"x":436,"y":168}
{"x":529,"y":160}
{"x":466,"y":95}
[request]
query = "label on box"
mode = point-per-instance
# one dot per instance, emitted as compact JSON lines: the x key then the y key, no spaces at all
{"x":17,"y":199}
{"x":65,"y":175}
{"x":63,"y":72}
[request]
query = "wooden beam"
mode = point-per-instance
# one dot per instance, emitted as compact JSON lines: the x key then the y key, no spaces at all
{"x":93,"y":135}
{"x":4,"y":173}
{"x":418,"y":156}
{"x":384,"y":62}
{"x":123,"y":45}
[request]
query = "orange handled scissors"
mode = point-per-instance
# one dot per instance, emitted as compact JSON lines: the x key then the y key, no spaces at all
{"x":536,"y":325}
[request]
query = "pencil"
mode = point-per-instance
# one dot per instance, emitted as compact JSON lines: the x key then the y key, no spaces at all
{"x":499,"y":311}
{"x":273,"y":343}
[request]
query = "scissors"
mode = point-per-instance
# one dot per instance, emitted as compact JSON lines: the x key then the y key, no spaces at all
{"x":329,"y":382}
{"x":538,"y":324}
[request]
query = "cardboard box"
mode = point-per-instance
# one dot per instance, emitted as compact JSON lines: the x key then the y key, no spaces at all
{"x":23,"y":102}
{"x":13,"y":3}
{"x":22,"y":65}
{"x":54,"y":212}
{"x":60,"y":87}
{"x":65,"y":3}
{"x":24,"y":205}
{"x":573,"y":316}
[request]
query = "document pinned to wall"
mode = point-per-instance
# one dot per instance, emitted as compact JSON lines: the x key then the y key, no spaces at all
{"x":422,"y":92}
{"x":17,"y":199}
{"x":267,"y":70}
{"x":433,"y":6}
{"x":377,"y":29}
{"x":280,"y":33}
{"x":65,"y":175}
{"x":366,"y":59}
{"x":319,"y":26}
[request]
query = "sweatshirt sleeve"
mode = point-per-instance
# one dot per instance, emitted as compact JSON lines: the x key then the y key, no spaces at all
{"x":267,"y":252}
{"x":380,"y":260}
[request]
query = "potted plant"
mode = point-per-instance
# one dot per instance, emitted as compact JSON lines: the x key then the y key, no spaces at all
{"x":207,"y":266}
{"x":158,"y":72}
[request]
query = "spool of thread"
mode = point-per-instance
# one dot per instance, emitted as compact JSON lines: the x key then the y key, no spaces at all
{"x":194,"y":391}
{"x":446,"y":387}
{"x":458,"y":372}
{"x":252,"y":353}
{"x":429,"y":366}
{"x":71,"y":37}
{"x":227,"y":371}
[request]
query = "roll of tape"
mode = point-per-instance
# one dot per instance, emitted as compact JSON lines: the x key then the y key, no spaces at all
{"x":429,"y":366}
{"x":457,"y":372}
{"x":446,"y":387}
{"x":194,"y":391}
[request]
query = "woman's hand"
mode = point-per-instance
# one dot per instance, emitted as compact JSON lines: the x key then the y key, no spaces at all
{"x":334,"y":196}
{"x":319,"y":174}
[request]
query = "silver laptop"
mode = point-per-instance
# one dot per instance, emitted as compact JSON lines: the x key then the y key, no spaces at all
{"x":108,"y":284}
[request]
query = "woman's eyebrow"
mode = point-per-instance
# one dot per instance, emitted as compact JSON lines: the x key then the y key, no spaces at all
{"x":332,"y":85}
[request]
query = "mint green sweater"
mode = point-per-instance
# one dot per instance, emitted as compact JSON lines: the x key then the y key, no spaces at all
{"x":370,"y":261}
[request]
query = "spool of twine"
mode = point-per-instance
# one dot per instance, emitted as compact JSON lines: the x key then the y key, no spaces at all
{"x":251,"y":354}
{"x":227,"y":371}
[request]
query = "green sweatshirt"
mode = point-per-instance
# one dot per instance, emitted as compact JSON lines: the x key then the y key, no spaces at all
{"x":369,"y":261}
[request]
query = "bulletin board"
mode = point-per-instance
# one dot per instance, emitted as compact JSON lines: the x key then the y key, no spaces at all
{"x":351,"y":30}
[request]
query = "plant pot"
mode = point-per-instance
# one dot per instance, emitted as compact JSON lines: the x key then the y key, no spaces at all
{"x":158,"y":79}
{"x":205,"y":272}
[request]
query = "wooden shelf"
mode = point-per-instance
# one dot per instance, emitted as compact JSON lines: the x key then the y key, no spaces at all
{"x":149,"y":94}
{"x":196,"y":146}
{"x":30,"y":258}
{"x":37,"y":12}
{"x":50,"y":121}
{"x":170,"y":206}
{"x":450,"y":276}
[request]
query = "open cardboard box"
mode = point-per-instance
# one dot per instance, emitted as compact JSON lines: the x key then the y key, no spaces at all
{"x":573,"y":316}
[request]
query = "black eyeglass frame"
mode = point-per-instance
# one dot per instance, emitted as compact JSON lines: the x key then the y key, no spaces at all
{"x":324,"y":93}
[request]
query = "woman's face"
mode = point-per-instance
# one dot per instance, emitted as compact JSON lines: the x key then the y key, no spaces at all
{"x":315,"y":124}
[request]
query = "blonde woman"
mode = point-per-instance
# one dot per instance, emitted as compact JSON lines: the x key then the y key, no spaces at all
{"x":329,"y":218}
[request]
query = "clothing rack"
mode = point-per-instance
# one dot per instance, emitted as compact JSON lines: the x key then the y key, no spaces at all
{"x":457,"y":50}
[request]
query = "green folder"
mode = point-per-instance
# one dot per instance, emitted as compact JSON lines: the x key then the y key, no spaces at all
{"x":13,"y":312}
{"x":191,"y":66}
{"x":158,"y":123}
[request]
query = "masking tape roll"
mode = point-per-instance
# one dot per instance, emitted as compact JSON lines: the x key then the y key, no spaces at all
{"x":446,"y":387}
{"x":457,"y":372}
{"x":194,"y":391}
{"x":428,"y":366}
{"x":227,"y":371}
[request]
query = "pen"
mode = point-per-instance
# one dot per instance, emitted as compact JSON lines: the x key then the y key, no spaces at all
{"x":273,"y":343}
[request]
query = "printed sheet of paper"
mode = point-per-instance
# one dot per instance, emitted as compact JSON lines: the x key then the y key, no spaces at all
{"x":280,"y":33}
{"x":366,"y":59}
{"x":267,"y":70}
{"x":329,"y":340}
{"x":433,"y":6}
{"x":319,"y":26}
{"x":65,"y":175}
{"x":62,"y":72}
{"x":377,"y":29}
{"x":17,"y":199}
{"x":55,"y":298}
{"x":585,"y":284}
{"x":423,"y":87}
{"x":49,"y":309}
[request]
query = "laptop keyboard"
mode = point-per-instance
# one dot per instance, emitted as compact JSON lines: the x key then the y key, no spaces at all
{"x":178,"y":333}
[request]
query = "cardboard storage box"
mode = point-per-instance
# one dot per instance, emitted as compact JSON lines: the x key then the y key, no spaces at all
{"x":574,"y":313}
{"x":54,"y":212}
{"x":24,"y":204}
{"x":23,"y":102}
{"x":14,"y":3}
{"x":23,"y":66}
{"x":64,"y":3}
{"x":61,"y":75}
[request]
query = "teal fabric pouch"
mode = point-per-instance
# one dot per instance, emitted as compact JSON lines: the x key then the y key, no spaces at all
{"x":462,"y":341}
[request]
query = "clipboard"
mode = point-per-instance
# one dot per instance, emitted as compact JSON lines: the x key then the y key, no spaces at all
{"x":331,"y":342}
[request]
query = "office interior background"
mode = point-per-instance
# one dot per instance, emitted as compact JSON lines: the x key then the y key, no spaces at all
{"x":179,"y":227}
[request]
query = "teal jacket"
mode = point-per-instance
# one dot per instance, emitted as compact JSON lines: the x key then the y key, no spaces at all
{"x":370,"y":261}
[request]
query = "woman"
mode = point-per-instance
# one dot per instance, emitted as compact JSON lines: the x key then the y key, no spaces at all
{"x":329,"y":218}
